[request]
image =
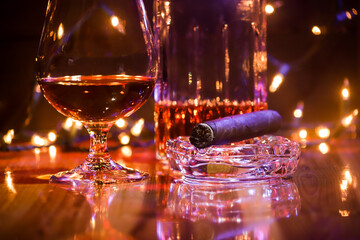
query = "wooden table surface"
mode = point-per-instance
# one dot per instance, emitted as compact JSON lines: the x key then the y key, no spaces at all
{"x":321,"y":201}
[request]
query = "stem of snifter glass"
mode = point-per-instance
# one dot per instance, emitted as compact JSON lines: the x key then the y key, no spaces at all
{"x":99,"y":157}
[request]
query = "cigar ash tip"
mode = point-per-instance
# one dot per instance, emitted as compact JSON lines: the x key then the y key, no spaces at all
{"x":202,"y":136}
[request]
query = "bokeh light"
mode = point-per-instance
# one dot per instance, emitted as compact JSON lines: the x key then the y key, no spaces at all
{"x":269,"y":9}
{"x":114,"y":21}
{"x":316,"y":30}
{"x":322,"y":132}
{"x":121,"y":123}
{"x":52,"y":136}
{"x":324,"y":148}
{"x":126,"y":151}
{"x":138,"y":127}
{"x":298,"y":113}
{"x":275,"y":84}
{"x":303,"y":133}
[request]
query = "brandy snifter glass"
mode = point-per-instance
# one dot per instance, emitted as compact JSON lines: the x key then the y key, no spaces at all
{"x":96,"y":63}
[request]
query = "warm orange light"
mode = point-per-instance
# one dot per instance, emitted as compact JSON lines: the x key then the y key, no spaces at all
{"x":344,"y":213}
{"x":36,"y":140}
{"x":323,"y":132}
{"x":52,"y":152}
{"x":68,"y":124}
{"x":93,"y":222}
{"x":52,"y":136}
{"x":9,"y":182}
{"x":348,"y":15}
{"x":60,"y":32}
{"x":324,"y":148}
{"x":126,"y":151}
{"x":9,"y":136}
{"x":344,"y":185}
{"x":37,"y":89}
{"x":37,"y":151}
{"x":138,"y":127}
{"x":303,"y":143}
{"x":269,"y":9}
{"x":118,"y":24}
{"x":196,"y":102}
{"x":348,"y":176}
{"x":120,"y":123}
{"x":277,"y":80}
{"x":345,"y":93}
{"x":346,"y":121}
{"x":316,"y":30}
{"x":78,"y":124}
{"x":114,"y":21}
{"x":298,"y":113}
{"x":124,"y":138}
{"x":303,"y":133}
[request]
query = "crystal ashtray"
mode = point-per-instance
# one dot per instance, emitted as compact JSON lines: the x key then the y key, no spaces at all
{"x":253,"y":159}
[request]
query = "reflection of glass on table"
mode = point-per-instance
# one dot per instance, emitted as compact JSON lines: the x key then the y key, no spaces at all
{"x":223,"y":210}
{"x":111,"y":206}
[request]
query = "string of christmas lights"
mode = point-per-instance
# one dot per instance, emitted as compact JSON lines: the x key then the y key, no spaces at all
{"x":70,"y":133}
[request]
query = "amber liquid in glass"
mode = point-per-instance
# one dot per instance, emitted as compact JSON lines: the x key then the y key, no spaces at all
{"x":178,"y":119}
{"x":97,"y":98}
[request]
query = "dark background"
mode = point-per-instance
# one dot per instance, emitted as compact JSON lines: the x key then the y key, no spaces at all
{"x":319,"y":64}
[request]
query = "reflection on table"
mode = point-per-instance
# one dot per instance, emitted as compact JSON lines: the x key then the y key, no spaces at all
{"x":321,"y":201}
{"x":222,"y":211}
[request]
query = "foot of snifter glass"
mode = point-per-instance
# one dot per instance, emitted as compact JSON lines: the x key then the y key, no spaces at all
{"x":113,"y":173}
{"x":98,"y":167}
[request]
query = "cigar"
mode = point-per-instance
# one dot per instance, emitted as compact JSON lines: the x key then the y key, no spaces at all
{"x":235,"y":128}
